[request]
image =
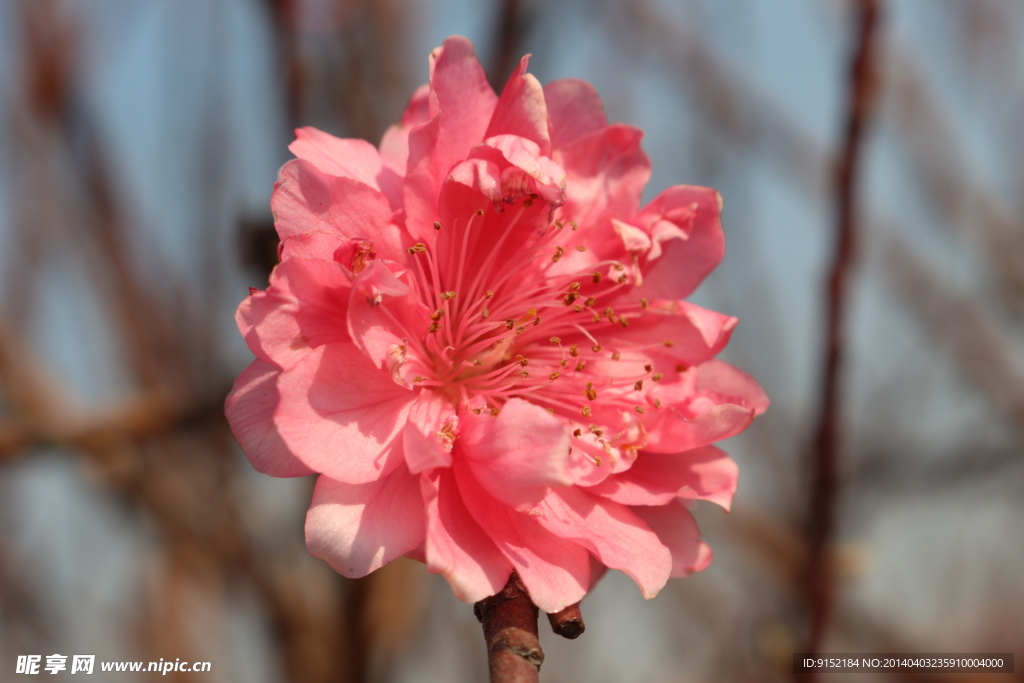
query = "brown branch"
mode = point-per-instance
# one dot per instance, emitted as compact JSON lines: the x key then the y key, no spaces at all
{"x":568,"y":623}
{"x":510,"y":629}
{"x":825,"y":457}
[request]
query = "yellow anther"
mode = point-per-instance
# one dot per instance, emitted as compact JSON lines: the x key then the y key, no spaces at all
{"x":581,"y":247}
{"x":573,"y":224}
{"x":479,"y":212}
{"x":657,"y":403}
{"x":447,"y":296}
{"x":586,"y":411}
{"x":579,"y":366}
{"x":644,"y":303}
{"x":577,"y":308}
{"x":510,"y":323}
{"x":485,"y":313}
{"x":657,"y":376}
{"x":437,"y":315}
{"x":596,"y":348}
{"x":574,"y":350}
{"x":615,"y":355}
{"x":574,"y":286}
{"x":639,"y":409}
{"x":669,"y":343}
{"x":434,"y":327}
{"x":556,"y":341}
{"x":590,"y":301}
{"x":622,"y":279}
{"x":554,"y":375}
{"x":488,"y":294}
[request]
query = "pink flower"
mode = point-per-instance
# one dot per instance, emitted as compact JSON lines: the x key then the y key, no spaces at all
{"x":478,"y":340}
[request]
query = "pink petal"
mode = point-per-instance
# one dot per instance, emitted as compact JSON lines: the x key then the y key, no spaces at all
{"x":250,"y":410}
{"x":556,"y":573}
{"x":349,"y":158}
{"x":606,"y":171}
{"x":456,"y":546}
{"x":464,"y":98}
{"x":706,"y":473}
{"x":318,"y":245}
{"x":517,"y":455}
{"x":303,"y":308}
{"x":612,"y":532}
{"x":359,"y":528}
{"x":425,"y":445}
{"x":677,"y":529}
{"x":682,"y":264}
{"x":341,"y":415}
{"x":725,"y":380}
{"x":395,"y":144}
{"x":574,"y":110}
{"x":521,"y":109}
{"x":383,"y":316}
{"x":673,"y":333}
{"x":668,"y":430}
{"x":306,"y":200}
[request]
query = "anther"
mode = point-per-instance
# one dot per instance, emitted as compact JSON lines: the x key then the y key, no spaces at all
{"x":596,"y":277}
{"x":581,"y":247}
{"x":495,"y":412}
{"x":520,"y":330}
{"x":557,"y":341}
{"x":574,"y":350}
{"x":579,"y":366}
{"x":510,"y":323}
{"x":527,"y":203}
{"x":656,"y":376}
{"x":608,"y":312}
{"x":417,"y":248}
{"x":615,"y":355}
{"x":434,"y":327}
{"x":639,"y":409}
{"x":478,"y":362}
{"x":623,"y":322}
{"x":648,"y":367}
{"x":590,"y":301}
{"x":488,"y":294}
{"x":577,"y":308}
{"x":554,"y":375}
{"x":447,"y":296}
{"x":639,"y":385}
{"x":669,"y":343}
{"x":622,"y":279}
{"x":559,"y":224}
{"x":569,"y":298}
{"x":644,"y":304}
{"x":479,"y":212}
{"x":573,"y":224}
{"x":536,"y":321}
{"x":657,"y":403}
{"x":485,"y":313}
{"x":437,"y":226}
{"x":437,"y":315}
{"x":524,"y":373}
{"x":596,"y":348}
{"x":586,"y":411}
{"x":577,"y":432}
{"x":574,"y":286}
{"x":563,"y":363}
{"x":680,"y":368}
{"x":558,"y":254}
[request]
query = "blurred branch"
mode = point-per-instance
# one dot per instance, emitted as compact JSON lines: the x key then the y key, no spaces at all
{"x":511,"y":23}
{"x":824,"y":464}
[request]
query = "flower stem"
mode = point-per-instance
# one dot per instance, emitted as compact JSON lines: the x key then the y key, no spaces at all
{"x":510,"y":630}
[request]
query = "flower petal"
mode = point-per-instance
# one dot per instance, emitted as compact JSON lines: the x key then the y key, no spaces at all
{"x":341,"y":415}
{"x":307,"y":200}
{"x":349,"y":158}
{"x":677,"y":529}
{"x":517,"y":455}
{"x":668,"y":430}
{"x":250,"y":411}
{"x":304,"y":307}
{"x":456,"y":546}
{"x":556,"y":573}
{"x":359,"y":528}
{"x":724,"y":380}
{"x":656,"y":478}
{"x":521,"y":109}
{"x":574,"y":110}
{"x":426,"y":446}
{"x":677,"y":266}
{"x":395,"y":143}
{"x":612,"y":532}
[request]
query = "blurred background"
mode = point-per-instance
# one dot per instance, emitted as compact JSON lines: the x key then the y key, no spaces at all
{"x":881,"y":500}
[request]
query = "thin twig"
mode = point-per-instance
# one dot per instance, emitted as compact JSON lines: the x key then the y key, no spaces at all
{"x":825,"y":456}
{"x":510,"y":629}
